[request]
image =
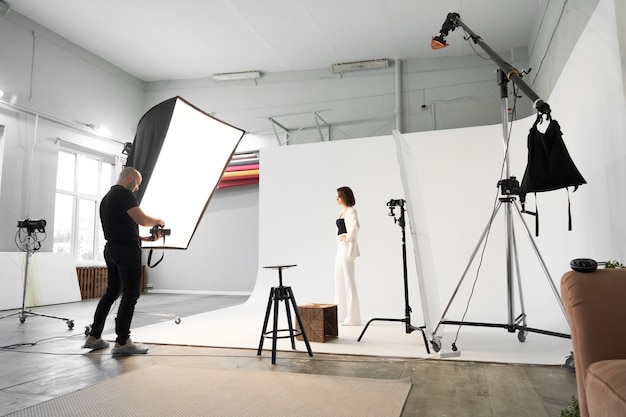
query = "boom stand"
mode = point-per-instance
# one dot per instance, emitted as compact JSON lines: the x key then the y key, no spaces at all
{"x":31,"y":246}
{"x":409,"y":328}
{"x":508,"y":187}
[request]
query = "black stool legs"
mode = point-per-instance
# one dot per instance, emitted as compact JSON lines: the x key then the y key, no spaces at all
{"x":278,"y":294}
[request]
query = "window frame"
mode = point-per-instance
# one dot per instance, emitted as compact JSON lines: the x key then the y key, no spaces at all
{"x":78,"y":196}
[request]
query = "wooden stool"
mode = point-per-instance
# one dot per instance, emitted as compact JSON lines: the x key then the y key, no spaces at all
{"x":277,"y":294}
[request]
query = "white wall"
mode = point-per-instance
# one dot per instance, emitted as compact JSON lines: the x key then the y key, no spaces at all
{"x":50,"y":85}
{"x":222,"y":256}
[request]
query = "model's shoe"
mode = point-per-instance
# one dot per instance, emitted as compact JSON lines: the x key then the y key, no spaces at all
{"x":130,"y":348}
{"x":95,"y":344}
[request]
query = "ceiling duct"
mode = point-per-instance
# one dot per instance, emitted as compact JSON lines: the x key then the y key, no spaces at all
{"x":359,"y":66}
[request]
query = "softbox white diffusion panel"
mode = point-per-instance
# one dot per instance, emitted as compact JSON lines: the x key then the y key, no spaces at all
{"x":182,"y":153}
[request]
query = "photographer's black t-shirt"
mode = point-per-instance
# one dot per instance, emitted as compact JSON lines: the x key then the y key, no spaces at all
{"x":117,"y":225}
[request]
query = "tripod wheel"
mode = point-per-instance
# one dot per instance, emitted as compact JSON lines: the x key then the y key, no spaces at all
{"x":22,"y":319}
{"x":569,"y":363}
{"x":436,"y":344}
{"x":521,"y":336}
{"x":70,"y":324}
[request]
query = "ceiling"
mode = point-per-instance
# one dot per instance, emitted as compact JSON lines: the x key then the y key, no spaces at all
{"x":186,"y":39}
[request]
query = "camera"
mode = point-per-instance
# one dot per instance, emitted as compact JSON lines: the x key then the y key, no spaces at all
{"x":32,"y":225}
{"x":154,"y":231}
{"x":509,"y":186}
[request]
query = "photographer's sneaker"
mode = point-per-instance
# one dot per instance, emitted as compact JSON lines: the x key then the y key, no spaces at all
{"x":95,"y":344}
{"x":130,"y":348}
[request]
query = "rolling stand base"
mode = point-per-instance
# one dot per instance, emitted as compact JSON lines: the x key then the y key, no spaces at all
{"x":409,"y":329}
{"x":25,"y":313}
{"x":511,"y":328}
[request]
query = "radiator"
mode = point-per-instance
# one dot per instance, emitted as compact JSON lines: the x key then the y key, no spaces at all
{"x":92,"y":280}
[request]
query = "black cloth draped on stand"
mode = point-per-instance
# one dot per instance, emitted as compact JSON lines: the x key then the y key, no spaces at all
{"x":549,"y":167}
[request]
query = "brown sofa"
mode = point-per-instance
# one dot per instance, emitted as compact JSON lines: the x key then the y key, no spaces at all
{"x":595,"y":303}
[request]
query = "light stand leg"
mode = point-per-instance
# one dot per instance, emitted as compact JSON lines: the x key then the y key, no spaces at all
{"x":522,"y":316}
{"x":555,"y":291}
{"x":483,"y":236}
{"x":27,"y":262}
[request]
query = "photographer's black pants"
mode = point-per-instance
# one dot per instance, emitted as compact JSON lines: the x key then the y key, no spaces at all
{"x":124,"y":277}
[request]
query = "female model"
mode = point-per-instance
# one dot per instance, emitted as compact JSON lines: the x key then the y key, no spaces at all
{"x":346,"y":297}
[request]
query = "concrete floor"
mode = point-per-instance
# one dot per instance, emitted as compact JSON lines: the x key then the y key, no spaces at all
{"x":42,"y":359}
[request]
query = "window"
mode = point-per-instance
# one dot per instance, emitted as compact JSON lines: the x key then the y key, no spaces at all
{"x":82,"y":180}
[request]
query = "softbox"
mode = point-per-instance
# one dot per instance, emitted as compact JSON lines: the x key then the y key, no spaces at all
{"x":182,"y":153}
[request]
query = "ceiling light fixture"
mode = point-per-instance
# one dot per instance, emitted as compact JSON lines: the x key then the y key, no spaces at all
{"x":98,"y":130}
{"x":232,"y":76}
{"x":4,"y":7}
{"x":359,"y":66}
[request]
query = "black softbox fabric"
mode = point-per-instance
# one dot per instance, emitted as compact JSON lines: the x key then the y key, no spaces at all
{"x":173,"y":136}
{"x":149,"y":138}
{"x":550,"y":166}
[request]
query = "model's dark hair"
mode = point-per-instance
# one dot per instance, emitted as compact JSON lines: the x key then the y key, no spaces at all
{"x":347,"y":196}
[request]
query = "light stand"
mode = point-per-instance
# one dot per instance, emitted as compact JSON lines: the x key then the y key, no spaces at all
{"x":409,"y":328}
{"x":509,"y":188}
{"x":30,"y":244}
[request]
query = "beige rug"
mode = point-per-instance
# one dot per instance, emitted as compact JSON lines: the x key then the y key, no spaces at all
{"x":178,"y":391}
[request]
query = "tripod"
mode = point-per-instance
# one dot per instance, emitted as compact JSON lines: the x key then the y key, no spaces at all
{"x":509,"y":187}
{"x":409,"y":328}
{"x":31,"y":245}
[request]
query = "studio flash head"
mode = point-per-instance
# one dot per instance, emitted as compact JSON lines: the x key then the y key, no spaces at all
{"x":395,"y":203}
{"x":32,"y":225}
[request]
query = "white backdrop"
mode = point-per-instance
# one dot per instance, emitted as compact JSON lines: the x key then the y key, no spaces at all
{"x":457,"y":170}
{"x":298,"y":209}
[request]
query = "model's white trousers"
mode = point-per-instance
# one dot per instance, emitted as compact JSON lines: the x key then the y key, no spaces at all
{"x":346,"y":296}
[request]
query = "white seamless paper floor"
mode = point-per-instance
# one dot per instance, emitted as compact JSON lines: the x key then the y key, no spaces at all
{"x":240,"y":327}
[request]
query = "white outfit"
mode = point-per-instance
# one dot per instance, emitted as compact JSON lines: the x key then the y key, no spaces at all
{"x":346,"y":296}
